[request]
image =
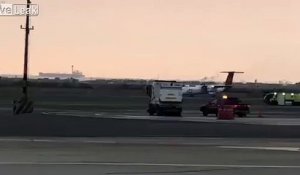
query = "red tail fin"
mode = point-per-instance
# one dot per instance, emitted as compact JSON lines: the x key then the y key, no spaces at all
{"x":229,"y":79}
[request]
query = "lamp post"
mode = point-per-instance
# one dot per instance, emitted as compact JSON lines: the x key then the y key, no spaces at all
{"x":27,"y":31}
{"x":24,"y":104}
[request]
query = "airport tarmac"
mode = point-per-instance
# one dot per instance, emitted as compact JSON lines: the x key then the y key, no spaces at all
{"x":107,"y":124}
{"x":267,"y":118}
{"x":187,"y":156}
{"x":132,"y":142}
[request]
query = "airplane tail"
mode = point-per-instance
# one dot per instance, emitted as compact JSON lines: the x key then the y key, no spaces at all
{"x":229,"y":79}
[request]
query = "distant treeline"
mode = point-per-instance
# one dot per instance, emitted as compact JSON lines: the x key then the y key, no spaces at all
{"x":72,"y":83}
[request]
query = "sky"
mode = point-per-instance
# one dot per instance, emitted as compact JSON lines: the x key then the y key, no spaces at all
{"x":164,"y":39}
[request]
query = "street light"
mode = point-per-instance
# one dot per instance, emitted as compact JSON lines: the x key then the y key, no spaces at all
{"x":24,"y":105}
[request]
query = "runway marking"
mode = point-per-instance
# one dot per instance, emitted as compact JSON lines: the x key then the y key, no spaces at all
{"x":143,"y":141}
{"x":126,"y":116}
{"x":58,"y":141}
{"x":211,"y":142}
{"x":152,"y":164}
{"x":152,"y":141}
{"x":294,"y":149}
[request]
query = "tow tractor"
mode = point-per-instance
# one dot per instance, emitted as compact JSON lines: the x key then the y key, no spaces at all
{"x":165,"y":98}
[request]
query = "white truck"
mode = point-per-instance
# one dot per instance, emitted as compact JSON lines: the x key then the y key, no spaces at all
{"x":165,"y":98}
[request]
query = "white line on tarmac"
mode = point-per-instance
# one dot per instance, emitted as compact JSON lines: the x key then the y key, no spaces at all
{"x":143,"y":141}
{"x":137,"y":141}
{"x":214,"y":142}
{"x":152,"y":164}
{"x":57,"y":140}
{"x":294,"y":149}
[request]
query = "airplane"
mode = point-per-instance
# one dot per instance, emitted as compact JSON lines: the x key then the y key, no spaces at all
{"x":191,"y":90}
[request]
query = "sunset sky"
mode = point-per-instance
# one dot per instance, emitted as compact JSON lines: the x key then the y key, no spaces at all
{"x":165,"y":39}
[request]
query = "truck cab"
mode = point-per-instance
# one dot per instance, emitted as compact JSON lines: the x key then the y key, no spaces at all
{"x":165,"y":98}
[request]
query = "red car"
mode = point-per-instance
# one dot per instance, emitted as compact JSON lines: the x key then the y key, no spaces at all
{"x":240,"y":109}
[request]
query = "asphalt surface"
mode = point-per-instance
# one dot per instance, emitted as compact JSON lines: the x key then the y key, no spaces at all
{"x":266,"y":118}
{"x":188,"y":156}
{"x":136,"y":123}
{"x":124,"y":155}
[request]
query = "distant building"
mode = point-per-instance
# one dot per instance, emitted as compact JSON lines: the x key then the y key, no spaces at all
{"x":75,"y":74}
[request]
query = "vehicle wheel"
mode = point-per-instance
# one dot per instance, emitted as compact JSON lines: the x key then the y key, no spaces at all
{"x":179,"y":114}
{"x":241,"y":115}
{"x":159,"y":112}
{"x":151,"y":111}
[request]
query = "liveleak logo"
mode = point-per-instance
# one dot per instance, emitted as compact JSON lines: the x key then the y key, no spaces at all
{"x":7,"y":9}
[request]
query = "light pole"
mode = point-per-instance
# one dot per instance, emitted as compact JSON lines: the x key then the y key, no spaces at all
{"x":24,"y":105}
{"x":27,"y":31}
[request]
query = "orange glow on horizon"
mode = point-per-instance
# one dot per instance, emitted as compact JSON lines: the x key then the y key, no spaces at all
{"x":169,"y":39}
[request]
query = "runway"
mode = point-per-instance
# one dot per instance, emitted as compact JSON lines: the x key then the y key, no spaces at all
{"x":148,"y":156}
